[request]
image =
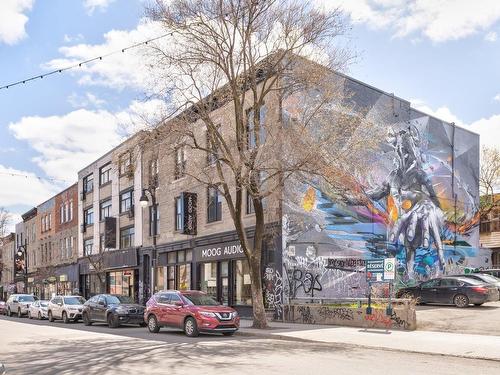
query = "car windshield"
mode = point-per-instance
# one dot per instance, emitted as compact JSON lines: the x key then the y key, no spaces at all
{"x":489,"y":278}
{"x":74,"y":301}
{"x":125,"y":299}
{"x":26,"y":299}
{"x":201,"y":299}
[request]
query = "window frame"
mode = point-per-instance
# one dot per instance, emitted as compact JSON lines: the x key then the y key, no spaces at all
{"x":88,"y":180}
{"x":105,"y":170}
{"x":178,"y":211}
{"x":86,"y":215}
{"x":130,"y":236}
{"x":180,"y":162}
{"x":122,"y":200}
{"x":108,"y":208}
{"x":211,"y":205}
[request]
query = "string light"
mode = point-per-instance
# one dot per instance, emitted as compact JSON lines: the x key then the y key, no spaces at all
{"x":79,"y":64}
{"x":34,"y":176}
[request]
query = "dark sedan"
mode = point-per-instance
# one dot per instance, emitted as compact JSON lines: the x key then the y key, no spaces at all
{"x":458,"y":291}
{"x":112,"y":309}
{"x":485,"y":278}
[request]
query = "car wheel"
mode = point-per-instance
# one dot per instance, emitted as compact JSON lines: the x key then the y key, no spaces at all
{"x":86,"y":320}
{"x":112,"y":321}
{"x":19,"y":315}
{"x":51,"y":318}
{"x":39,"y":316}
{"x":190,"y":327}
{"x":153,"y":324}
{"x":461,"y":300}
{"x":228,"y":333}
{"x":65,"y":317}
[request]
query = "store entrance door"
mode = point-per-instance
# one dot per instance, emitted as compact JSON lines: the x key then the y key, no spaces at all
{"x":224,"y":283}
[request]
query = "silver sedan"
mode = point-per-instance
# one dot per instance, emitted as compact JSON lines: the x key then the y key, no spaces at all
{"x":38,"y":310}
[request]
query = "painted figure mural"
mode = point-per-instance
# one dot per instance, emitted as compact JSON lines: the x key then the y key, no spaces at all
{"x":419,"y":204}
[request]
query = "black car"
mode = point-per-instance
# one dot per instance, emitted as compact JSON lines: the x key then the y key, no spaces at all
{"x":459,"y":291}
{"x":112,"y":309}
{"x":485,"y":278}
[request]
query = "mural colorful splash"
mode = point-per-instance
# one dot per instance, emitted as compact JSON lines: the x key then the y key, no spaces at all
{"x":419,"y":205}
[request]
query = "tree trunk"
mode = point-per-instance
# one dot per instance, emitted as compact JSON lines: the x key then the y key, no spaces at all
{"x":259,"y":312}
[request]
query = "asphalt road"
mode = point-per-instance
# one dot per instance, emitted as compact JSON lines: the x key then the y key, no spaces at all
{"x":31,"y":347}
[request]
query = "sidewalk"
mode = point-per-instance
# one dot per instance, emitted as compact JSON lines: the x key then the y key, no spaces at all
{"x":437,"y":343}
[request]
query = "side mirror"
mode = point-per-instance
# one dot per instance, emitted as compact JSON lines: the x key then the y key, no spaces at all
{"x":102,"y":303}
{"x":60,"y":303}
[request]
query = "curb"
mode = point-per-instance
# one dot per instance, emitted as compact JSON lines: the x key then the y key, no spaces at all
{"x":281,"y":337}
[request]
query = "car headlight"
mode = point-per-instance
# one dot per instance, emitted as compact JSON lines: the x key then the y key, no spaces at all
{"x":235,"y":314}
{"x":207,"y":314}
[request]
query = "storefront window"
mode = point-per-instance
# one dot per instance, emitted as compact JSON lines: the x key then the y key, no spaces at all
{"x":243,"y":285}
{"x":208,"y":279}
{"x":122,"y":283}
{"x":184,"y":277}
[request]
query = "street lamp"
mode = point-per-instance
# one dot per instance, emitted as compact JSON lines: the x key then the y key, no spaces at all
{"x":144,"y":202}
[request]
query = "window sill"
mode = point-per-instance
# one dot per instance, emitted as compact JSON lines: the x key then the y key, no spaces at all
{"x":210,"y":223}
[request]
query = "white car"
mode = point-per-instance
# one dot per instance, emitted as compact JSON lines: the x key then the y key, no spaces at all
{"x":19,"y":304}
{"x":66,"y":308}
{"x":38,"y":309}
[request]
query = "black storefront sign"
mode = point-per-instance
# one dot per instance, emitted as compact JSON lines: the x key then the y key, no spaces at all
{"x":189,"y":205}
{"x":227,"y":250}
{"x":122,"y":258}
{"x":19,"y":264}
{"x":110,"y":233}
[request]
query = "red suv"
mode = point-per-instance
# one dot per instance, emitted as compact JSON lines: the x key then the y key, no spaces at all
{"x":190,"y":310}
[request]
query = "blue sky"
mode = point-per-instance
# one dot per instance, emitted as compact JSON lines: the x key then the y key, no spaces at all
{"x":442,"y":56}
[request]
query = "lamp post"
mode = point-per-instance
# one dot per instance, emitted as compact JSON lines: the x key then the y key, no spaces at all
{"x":144,"y":202}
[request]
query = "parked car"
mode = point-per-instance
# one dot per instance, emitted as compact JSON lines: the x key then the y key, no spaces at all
{"x":38,"y":309}
{"x":459,"y":291}
{"x":493,"y":272}
{"x":112,"y":309}
{"x":19,"y":304}
{"x":66,"y":308}
{"x":485,"y":278}
{"x":190,"y":310}
{"x":3,"y":308}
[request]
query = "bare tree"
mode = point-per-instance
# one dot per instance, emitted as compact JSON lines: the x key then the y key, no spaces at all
{"x":5,"y":219}
{"x":253,"y":110}
{"x":489,"y":180}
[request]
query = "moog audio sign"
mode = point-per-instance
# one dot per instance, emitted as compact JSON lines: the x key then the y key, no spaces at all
{"x":230,"y":250}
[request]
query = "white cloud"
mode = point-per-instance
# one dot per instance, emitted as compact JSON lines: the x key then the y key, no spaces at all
{"x":13,"y":20}
{"x":491,"y":36}
{"x":67,"y":143}
{"x":87,"y":100}
{"x":497,"y":97}
{"x":23,"y":188}
{"x":487,"y":128}
{"x":118,"y":71}
{"x":439,"y":21}
{"x":75,"y":38}
{"x":91,"y":5}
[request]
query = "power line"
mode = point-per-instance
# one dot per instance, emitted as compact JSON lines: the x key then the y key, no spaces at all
{"x":34,"y":176}
{"x":81,"y":63}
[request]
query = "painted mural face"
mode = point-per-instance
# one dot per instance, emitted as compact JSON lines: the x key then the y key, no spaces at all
{"x":419,"y":205}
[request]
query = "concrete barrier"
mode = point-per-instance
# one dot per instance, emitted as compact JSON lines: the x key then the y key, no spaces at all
{"x":403,"y":316}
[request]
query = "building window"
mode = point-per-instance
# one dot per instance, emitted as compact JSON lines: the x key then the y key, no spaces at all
{"x":125,"y":164}
{"x":127,"y":238}
{"x":88,"y":216}
{"x":88,"y":183}
{"x":250,"y":128}
{"x":212,"y":150}
{"x":50,"y":222}
{"x":88,"y":246}
{"x":70,"y":210}
{"x":250,"y":207}
{"x":180,"y":162}
{"x":154,"y":167}
{"x":105,"y":174}
{"x":214,"y":205}
{"x":179,"y":222}
{"x":126,"y":201}
{"x":105,"y":209}
{"x":154,"y":225}
{"x":62,"y":213}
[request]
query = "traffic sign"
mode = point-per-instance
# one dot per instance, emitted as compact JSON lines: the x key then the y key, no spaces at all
{"x":389,"y":269}
{"x":374,"y":270}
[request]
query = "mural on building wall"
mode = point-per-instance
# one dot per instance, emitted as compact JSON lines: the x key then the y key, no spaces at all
{"x":419,"y":205}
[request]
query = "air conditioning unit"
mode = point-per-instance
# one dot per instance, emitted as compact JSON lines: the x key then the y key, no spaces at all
{"x":83,"y":195}
{"x":131,"y":212}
